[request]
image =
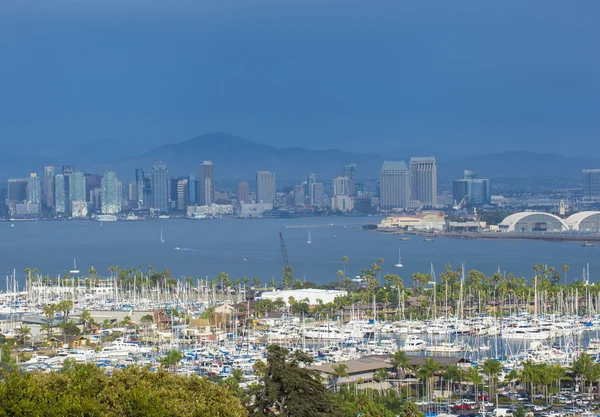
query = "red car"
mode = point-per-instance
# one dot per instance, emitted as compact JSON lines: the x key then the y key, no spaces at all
{"x":462,"y":407}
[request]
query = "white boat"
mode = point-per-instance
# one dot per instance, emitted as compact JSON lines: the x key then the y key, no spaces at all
{"x":106,"y":218}
{"x":162,"y":240}
{"x":447,"y":347}
{"x":309,"y":241}
{"x":399,"y":264}
{"x":525,"y":331}
{"x":12,"y":225}
{"x":74,"y":270}
{"x":414,"y":344}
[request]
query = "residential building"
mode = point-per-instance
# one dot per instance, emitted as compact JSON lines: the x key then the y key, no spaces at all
{"x":343,"y":203}
{"x":318,"y":198}
{"x":207,"y":183}
{"x":423,"y":180}
{"x":394,"y":186}
{"x":471,"y":190}
{"x":591,"y":185}
{"x":60,"y":197}
{"x":350,"y":173}
{"x":191,"y":190}
{"x":309,"y":193}
{"x":140,"y":189}
{"x":427,"y":220}
{"x":160,"y":187}
{"x":34,"y":195}
{"x":265,"y":187}
{"x":48,"y":186}
{"x":299,"y":194}
{"x":132,"y":194}
{"x":110,"y":198}
{"x":243,"y":193}
{"x":79,"y":209}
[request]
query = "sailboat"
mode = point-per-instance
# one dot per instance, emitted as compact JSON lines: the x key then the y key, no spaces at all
{"x":74,"y":270}
{"x":399,"y":264}
{"x":309,"y":241}
{"x":161,"y":237}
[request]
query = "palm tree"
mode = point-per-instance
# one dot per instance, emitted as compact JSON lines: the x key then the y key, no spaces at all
{"x":492,"y":368}
{"x":92,"y":272}
{"x":380,"y":375}
{"x":23,"y":332}
{"x":401,"y":363}
{"x":340,"y":371}
{"x":565,"y":268}
{"x":85,"y":318}
{"x":171,"y":359}
{"x":256,"y":282}
{"x":475,"y":378}
{"x":49,"y":311}
{"x":453,"y":374}
{"x":426,"y":373}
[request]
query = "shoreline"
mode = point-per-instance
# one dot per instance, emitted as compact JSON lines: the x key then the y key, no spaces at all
{"x":550,"y":237}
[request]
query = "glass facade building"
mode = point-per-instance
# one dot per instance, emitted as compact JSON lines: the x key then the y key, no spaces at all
{"x":160,"y":187}
{"x":591,"y":185}
{"x":110,"y":198}
{"x":473,"y":190}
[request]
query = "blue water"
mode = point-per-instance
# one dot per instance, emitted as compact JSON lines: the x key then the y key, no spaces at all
{"x":251,"y":248}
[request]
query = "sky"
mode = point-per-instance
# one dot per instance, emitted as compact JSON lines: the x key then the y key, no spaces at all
{"x":446,"y":78}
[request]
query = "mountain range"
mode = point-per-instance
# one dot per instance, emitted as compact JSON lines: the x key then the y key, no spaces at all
{"x":238,"y":158}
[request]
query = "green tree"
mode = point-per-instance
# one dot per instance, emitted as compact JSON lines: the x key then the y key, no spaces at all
{"x":492,"y":369}
{"x":288,"y":388}
{"x":171,"y":359}
{"x":426,"y":374}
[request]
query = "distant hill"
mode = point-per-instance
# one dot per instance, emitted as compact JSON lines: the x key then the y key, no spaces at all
{"x":238,"y":158}
{"x":235,"y":157}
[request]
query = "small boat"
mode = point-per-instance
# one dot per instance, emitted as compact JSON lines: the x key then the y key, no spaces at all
{"x":399,"y":264}
{"x":309,"y":241}
{"x":161,"y":237}
{"x":177,"y":247}
{"x":12,"y":225}
{"x":588,"y":244}
{"x":429,"y":239}
{"x":74,"y":270}
{"x":403,"y":238}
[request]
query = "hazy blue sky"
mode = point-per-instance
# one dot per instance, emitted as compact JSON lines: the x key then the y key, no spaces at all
{"x":476,"y":75}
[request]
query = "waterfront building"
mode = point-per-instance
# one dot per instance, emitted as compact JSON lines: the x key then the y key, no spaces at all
{"x":265,"y":187}
{"x":591,"y":185}
{"x":110,"y":196}
{"x":350,"y":173}
{"x":425,"y":221}
{"x":254,"y":209}
{"x":341,"y":185}
{"x":76,"y":188}
{"x":394,"y":186}
{"x":584,"y":221}
{"x":60,"y":197}
{"x":160,"y":187}
{"x":48,"y":186}
{"x":471,"y":190}
{"x":79,"y":209}
{"x":207,"y":183}
{"x":312,"y":296}
{"x":532,"y":221}
{"x":243,"y":193}
{"x":423,"y":180}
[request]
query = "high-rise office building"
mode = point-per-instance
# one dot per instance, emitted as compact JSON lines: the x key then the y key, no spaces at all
{"x":341,"y":185}
{"x":243,"y":192}
{"x":17,"y":190}
{"x":265,"y":187}
{"x":160,"y":187}
{"x":591,"y":185}
{"x":299,"y":195}
{"x":207,"y":184}
{"x":394,"y":183}
{"x":350,"y":173}
{"x":48,"y":188}
{"x":423,"y":180}
{"x":309,"y":192}
{"x":60,"y":197}
{"x":77,"y":187}
{"x":191,"y":190}
{"x":67,"y":170}
{"x":110,"y":198}
{"x":318,"y":194}
{"x":132,"y":194}
{"x":140,"y":198}
{"x":471,"y":190}
{"x":182,"y":194}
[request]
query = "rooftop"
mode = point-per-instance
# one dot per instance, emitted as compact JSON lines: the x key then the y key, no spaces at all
{"x":394,"y":166}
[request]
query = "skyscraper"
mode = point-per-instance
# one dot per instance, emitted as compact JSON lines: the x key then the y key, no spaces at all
{"x":207,"y":184}
{"x":471,"y":190}
{"x":60,"y":197}
{"x":423,"y":180}
{"x":341,"y":185}
{"x":591,"y":185}
{"x":350,"y":173}
{"x":300,"y":194}
{"x":160,"y":187}
{"x":394,"y":185}
{"x":243,"y":193}
{"x":182,"y":194}
{"x":191,"y":190}
{"x":33,"y":188}
{"x":309,"y":192}
{"x":318,"y":194}
{"x":265,"y":187}
{"x":92,"y":182}
{"x":110,"y":199}
{"x":48,"y":192}
{"x":76,"y":187}
{"x":139,"y":180}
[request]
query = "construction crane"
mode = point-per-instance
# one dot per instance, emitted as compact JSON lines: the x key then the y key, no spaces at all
{"x":283,"y":251}
{"x":460,"y":205}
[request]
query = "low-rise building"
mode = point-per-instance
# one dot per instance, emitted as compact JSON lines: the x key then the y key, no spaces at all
{"x":312,"y":295}
{"x":427,"y":220}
